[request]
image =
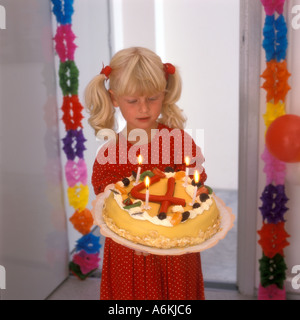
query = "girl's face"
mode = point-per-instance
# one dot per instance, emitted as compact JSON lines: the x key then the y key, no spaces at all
{"x":140,"y":112}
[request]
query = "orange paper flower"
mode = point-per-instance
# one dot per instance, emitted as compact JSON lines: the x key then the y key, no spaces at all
{"x":72,"y":112}
{"x":276,"y":80}
{"x":273,"y":238}
{"x":82,"y":221}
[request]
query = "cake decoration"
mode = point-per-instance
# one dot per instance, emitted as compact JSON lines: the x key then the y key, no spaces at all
{"x":165,"y":200}
{"x":133,"y":205}
{"x":158,"y":172}
{"x":169,"y":169}
{"x":203,"y":197}
{"x":126,"y":182}
{"x":146,"y":173}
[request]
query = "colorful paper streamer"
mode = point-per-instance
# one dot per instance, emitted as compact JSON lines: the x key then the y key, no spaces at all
{"x":273,"y":236}
{"x":86,"y":261}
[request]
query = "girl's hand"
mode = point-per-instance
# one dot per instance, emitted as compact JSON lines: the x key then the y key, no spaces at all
{"x":141,"y":253}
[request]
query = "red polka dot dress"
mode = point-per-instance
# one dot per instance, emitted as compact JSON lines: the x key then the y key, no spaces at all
{"x":127,"y":275}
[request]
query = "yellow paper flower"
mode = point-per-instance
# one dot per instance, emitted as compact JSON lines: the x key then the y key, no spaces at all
{"x":78,"y":197}
{"x":273,"y":112}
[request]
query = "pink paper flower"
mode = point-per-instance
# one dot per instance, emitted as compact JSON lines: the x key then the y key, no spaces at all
{"x":273,"y":5}
{"x":86,"y":261}
{"x":76,"y":172}
{"x":274,"y":169}
{"x":271,"y":292}
{"x":65,"y":46}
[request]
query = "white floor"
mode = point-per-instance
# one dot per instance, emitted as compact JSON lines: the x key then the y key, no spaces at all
{"x":219,"y":264}
{"x":89,"y":289}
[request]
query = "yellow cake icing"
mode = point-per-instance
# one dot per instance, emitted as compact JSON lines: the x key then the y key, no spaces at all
{"x":144,"y":227}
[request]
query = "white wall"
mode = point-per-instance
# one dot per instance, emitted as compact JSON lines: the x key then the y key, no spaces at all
{"x":33,"y":233}
{"x":133,"y":24}
{"x":202,"y":38}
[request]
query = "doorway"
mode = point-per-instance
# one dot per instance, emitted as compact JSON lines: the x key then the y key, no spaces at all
{"x":201,"y":38}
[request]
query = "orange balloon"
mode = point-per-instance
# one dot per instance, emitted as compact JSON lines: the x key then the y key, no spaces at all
{"x":283,"y":138}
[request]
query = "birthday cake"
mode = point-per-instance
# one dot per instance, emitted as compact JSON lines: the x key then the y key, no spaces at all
{"x":173,"y":212}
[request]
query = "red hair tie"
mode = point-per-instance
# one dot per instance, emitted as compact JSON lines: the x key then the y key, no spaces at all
{"x":106,"y":71}
{"x":169,"y":69}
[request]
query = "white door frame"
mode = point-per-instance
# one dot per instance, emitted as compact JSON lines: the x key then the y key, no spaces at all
{"x":249,"y":103}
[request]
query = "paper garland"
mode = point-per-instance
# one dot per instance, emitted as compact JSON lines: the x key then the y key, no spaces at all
{"x":273,"y":237}
{"x":86,"y":259}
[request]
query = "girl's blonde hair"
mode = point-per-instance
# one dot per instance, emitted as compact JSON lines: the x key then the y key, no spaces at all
{"x":134,"y":71}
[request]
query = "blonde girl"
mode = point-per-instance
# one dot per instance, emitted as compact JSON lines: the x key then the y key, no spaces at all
{"x":146,"y":90}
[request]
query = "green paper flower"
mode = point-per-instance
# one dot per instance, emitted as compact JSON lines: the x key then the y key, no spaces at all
{"x":272,"y":270}
{"x":68,"y":77}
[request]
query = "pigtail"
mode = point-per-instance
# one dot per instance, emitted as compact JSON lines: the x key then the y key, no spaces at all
{"x":99,"y":105}
{"x":171,"y":115}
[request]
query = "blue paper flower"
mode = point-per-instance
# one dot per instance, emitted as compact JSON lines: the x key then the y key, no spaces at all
{"x":89,"y":243}
{"x":63,"y":10}
{"x":275,"y":38}
{"x":281,"y":38}
{"x":269,"y":38}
